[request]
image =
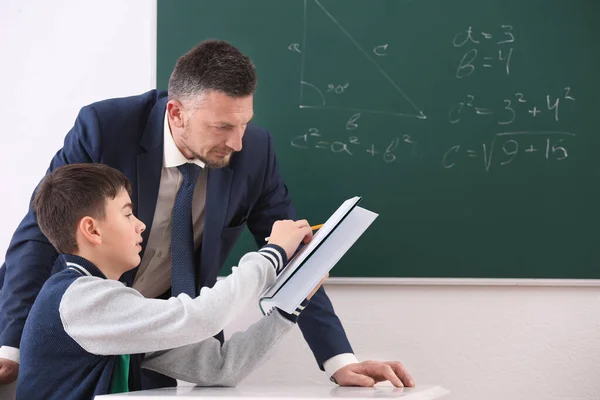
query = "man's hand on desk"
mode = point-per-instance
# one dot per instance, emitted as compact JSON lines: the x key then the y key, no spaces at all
{"x":368,"y":373}
{"x":9,"y":371}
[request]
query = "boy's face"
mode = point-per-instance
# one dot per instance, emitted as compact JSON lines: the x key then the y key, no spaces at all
{"x":121,"y":234}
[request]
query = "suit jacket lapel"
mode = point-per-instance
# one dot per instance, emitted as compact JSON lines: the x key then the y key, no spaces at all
{"x":149,"y":166}
{"x":148,"y":182}
{"x":218,"y":187}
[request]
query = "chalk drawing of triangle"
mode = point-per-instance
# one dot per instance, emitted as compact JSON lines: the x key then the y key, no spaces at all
{"x":332,"y":58}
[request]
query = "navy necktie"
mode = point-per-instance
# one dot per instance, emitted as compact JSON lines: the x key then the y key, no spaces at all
{"x":182,"y":234}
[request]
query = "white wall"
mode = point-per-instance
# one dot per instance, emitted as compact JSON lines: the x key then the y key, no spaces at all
{"x":57,"y":56}
{"x":492,"y":343}
{"x":482,"y":343}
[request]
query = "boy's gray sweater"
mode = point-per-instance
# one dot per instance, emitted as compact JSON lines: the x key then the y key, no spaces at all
{"x":104,"y":318}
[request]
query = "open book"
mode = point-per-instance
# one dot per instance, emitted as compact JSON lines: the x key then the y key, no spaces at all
{"x":315,"y":259}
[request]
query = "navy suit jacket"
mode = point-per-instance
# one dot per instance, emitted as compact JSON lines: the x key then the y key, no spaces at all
{"x":127,"y":134}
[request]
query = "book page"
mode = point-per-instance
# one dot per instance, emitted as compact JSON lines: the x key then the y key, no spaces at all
{"x":318,"y":237}
{"x":305,"y":278}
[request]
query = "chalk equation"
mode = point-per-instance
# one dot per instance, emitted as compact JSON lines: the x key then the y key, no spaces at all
{"x":481,"y":55}
{"x":479,"y":50}
{"x":314,"y":139}
{"x":504,"y":148}
{"x":507,"y":146}
{"x":511,"y":107}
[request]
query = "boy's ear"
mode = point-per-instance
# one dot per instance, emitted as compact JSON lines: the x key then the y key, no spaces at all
{"x":89,"y":230}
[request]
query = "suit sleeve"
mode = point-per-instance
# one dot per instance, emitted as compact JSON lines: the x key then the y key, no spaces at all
{"x":320,"y":327}
{"x":274,"y":202}
{"x":30,"y":257}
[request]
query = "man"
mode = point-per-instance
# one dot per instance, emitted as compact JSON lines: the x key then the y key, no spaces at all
{"x":194,"y":215}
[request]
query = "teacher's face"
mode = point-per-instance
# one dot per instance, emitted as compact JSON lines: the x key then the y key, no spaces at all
{"x":212,"y":128}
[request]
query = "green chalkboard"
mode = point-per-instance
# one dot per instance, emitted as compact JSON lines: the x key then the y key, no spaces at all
{"x":470,"y":126}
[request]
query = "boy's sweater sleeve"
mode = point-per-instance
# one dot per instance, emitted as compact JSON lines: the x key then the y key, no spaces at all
{"x":107,"y":318}
{"x":209,"y":364}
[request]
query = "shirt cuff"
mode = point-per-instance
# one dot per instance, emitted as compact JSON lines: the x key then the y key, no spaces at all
{"x":11,"y":353}
{"x":336,"y":362}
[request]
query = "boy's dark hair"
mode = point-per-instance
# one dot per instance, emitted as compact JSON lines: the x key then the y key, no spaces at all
{"x":212,"y":65}
{"x":72,"y":192}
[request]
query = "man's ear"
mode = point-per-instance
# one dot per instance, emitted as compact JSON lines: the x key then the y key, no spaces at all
{"x":176,"y":113}
{"x":90,"y":231}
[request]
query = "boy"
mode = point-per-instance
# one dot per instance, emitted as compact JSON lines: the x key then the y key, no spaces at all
{"x":89,"y":334}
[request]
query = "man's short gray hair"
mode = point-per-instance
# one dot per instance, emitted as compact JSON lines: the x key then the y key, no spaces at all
{"x":212,"y":65}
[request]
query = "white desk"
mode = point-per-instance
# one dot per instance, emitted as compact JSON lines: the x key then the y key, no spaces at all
{"x":422,"y":392}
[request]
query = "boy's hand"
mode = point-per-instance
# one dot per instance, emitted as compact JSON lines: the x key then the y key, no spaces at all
{"x":288,"y":235}
{"x":9,"y":371}
{"x":317,"y":287}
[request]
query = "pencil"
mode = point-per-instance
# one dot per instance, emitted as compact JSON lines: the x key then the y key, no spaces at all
{"x":314,"y":228}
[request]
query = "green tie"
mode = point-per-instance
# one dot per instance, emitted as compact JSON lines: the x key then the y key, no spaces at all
{"x":120,"y":382}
